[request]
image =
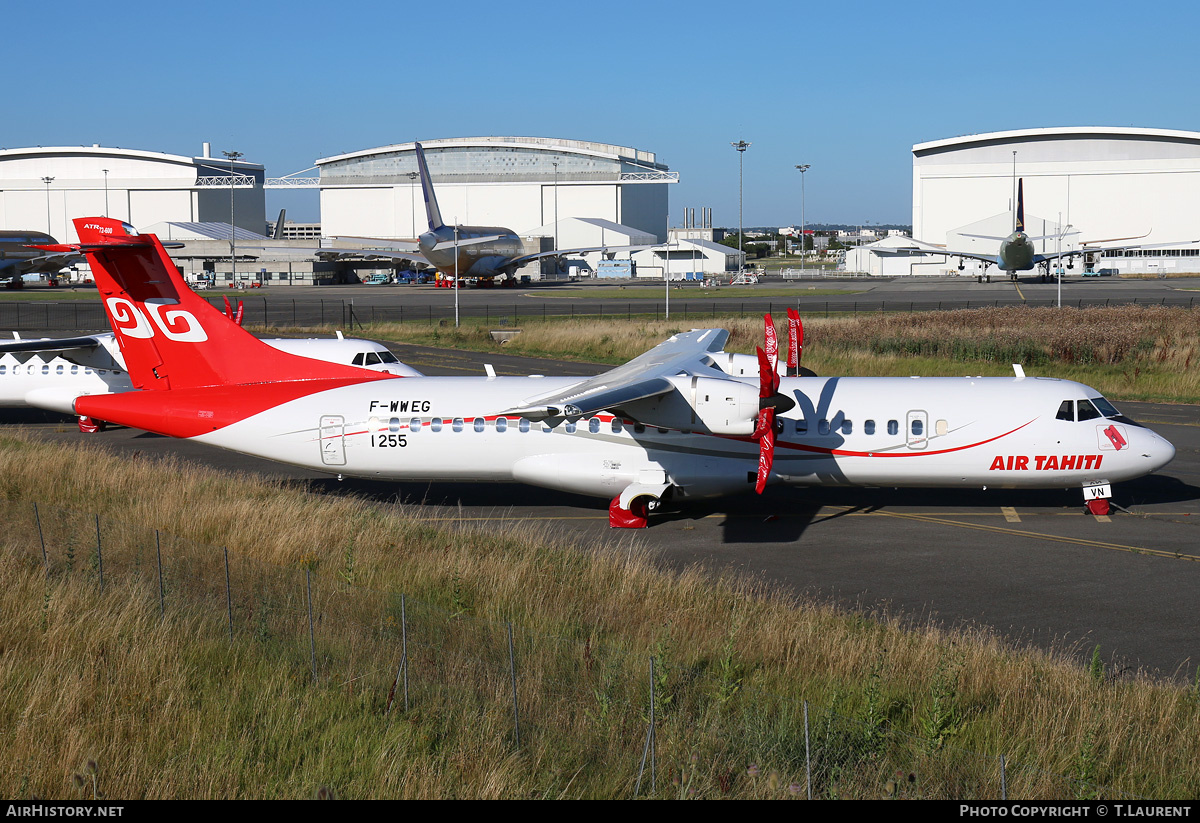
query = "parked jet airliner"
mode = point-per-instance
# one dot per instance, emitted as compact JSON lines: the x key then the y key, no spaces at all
{"x":484,"y":252}
{"x":676,"y":423}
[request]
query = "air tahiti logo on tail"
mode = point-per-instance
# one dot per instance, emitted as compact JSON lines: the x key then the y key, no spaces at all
{"x":179,"y":325}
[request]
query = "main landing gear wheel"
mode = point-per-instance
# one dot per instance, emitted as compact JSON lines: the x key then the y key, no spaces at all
{"x":90,"y":425}
{"x":636,"y":516}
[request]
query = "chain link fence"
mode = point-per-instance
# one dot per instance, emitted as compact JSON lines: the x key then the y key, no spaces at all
{"x":348,"y":314}
{"x":645,"y":726}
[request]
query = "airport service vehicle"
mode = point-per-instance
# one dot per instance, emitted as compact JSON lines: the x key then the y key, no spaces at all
{"x":685,"y":420}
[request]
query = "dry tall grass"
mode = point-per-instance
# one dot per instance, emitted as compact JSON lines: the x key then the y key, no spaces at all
{"x":171,"y":708}
{"x":1127,"y":352}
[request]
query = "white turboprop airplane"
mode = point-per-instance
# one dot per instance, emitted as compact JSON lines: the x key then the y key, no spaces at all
{"x":50,"y":373}
{"x":679,"y":422}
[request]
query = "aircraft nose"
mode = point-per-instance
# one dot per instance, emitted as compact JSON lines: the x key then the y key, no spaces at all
{"x":1157,"y":451}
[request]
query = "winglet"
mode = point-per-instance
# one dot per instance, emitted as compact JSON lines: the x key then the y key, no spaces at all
{"x":431,"y":207}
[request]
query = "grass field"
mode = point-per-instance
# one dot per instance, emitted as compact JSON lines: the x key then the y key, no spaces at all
{"x":1127,"y":352}
{"x":182,"y":706}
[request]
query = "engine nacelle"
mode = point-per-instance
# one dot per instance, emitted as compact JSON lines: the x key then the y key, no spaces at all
{"x":736,"y":365}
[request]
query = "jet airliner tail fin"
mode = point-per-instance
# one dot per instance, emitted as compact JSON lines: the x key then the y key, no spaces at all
{"x":1020,"y":225}
{"x":431,"y":207}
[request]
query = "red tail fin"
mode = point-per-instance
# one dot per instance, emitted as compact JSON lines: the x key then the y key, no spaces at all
{"x":170,"y":337}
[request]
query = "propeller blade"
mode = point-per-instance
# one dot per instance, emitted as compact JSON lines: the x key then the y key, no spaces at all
{"x":771,"y":340}
{"x":768,"y":377}
{"x":795,"y":340}
{"x":237,"y":318}
{"x":766,"y":447}
{"x":228,"y":308}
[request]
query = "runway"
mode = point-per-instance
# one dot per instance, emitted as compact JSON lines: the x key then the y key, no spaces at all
{"x":1029,"y":565}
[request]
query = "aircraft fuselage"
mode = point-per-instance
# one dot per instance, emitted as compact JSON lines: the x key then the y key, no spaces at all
{"x":911,"y":432}
{"x":1016,"y":253}
{"x":471,"y":251}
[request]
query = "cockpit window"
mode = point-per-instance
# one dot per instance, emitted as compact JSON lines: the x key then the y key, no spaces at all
{"x":1087,"y":411}
{"x":387,"y":357}
{"x":1106,"y":409}
{"x":1066,"y":411}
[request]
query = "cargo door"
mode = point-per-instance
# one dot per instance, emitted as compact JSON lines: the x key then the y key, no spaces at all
{"x":333,"y":446}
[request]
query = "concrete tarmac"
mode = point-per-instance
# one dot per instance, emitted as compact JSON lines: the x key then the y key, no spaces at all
{"x":1029,"y":565}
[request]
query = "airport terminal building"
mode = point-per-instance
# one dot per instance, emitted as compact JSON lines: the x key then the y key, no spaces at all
{"x":43,"y":188}
{"x":1080,"y":185}
{"x":522,"y":183}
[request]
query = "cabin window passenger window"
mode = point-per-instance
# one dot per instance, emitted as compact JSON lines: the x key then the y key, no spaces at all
{"x":638,"y":428}
{"x":546,"y":427}
{"x":58,"y":369}
{"x":479,"y":424}
{"x":801,"y":427}
{"x":414,"y":425}
{"x":918,"y":428}
{"x":847,"y":427}
{"x":1087,"y":411}
{"x":616,"y":426}
{"x":523,"y":425}
{"x":458,"y":424}
{"x":570,"y":427}
{"x":868,"y":427}
{"x":893,"y":427}
{"x":435,"y":424}
{"x":501,"y":424}
{"x":3,"y":369}
{"x":594,"y":425}
{"x":822,"y":427}
{"x":394,"y":424}
{"x":74,"y":370}
{"x":45,"y":369}
{"x":1066,"y":411}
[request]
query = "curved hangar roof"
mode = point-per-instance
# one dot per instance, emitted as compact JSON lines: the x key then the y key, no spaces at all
{"x":1098,"y":143}
{"x":491,"y":160}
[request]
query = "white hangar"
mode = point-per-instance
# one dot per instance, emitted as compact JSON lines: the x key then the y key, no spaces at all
{"x":1089,"y":184}
{"x":44,"y":188}
{"x":519,"y":183}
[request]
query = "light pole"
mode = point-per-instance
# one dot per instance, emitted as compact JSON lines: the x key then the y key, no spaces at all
{"x":232,"y":155}
{"x":412,"y":199}
{"x":105,"y":191}
{"x":557,"y":260}
{"x":803,"y":167}
{"x":741,"y":147}
{"x":48,"y":181}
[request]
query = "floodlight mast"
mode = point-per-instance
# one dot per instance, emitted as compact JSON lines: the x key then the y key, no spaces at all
{"x":232,"y":155}
{"x":803,"y":167}
{"x":741,"y":147}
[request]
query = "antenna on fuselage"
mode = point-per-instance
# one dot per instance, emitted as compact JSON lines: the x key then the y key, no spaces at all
{"x":431,"y":207}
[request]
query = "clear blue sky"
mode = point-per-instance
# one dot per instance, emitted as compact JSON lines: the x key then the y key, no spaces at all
{"x":848,"y":88}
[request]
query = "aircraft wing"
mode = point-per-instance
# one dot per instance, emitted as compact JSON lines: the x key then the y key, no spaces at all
{"x":379,"y":242}
{"x":331,"y":252}
{"x":54,"y":344}
{"x":97,"y":351}
{"x":644,"y":376}
{"x":526,"y":258}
